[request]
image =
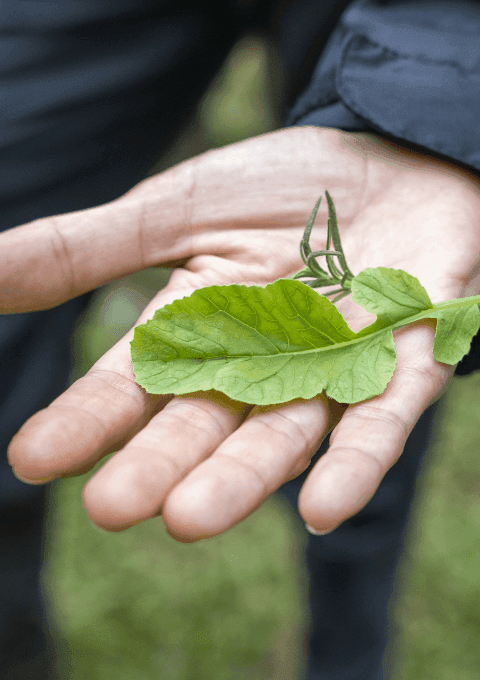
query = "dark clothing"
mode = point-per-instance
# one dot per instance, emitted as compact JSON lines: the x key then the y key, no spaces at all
{"x":352,"y":570}
{"x":407,"y":70}
{"x":91,"y":94}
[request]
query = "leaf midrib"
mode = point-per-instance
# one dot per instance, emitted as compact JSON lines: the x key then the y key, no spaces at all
{"x":431,"y":312}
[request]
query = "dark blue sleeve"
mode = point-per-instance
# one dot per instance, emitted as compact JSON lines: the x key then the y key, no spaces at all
{"x":409,"y":70}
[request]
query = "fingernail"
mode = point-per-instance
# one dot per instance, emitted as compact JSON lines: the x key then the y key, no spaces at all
{"x":316,"y":532}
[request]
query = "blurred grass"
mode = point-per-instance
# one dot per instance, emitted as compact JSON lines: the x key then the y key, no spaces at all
{"x":138,"y":605}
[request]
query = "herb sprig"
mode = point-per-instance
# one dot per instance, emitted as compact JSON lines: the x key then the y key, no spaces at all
{"x":318,"y":277}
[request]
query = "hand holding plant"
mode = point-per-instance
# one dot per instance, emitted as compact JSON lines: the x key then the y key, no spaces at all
{"x":206,"y":461}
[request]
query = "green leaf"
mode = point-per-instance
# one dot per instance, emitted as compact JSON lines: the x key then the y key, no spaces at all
{"x":455,"y":330}
{"x":391,"y":294}
{"x":285,"y":341}
{"x":396,"y":296}
{"x":260,"y":346}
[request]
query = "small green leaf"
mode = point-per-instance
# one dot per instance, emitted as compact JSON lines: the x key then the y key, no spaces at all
{"x":455,"y":330}
{"x":391,"y":294}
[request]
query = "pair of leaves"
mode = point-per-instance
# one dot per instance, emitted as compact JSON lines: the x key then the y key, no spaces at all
{"x":274,"y":344}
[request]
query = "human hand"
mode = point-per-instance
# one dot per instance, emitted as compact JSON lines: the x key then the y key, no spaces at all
{"x":205,"y":462}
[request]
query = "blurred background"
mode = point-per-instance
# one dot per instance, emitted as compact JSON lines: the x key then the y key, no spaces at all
{"x":138,"y":605}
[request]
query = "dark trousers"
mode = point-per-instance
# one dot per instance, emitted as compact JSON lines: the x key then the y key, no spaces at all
{"x":352,"y":570}
{"x":91,"y":95}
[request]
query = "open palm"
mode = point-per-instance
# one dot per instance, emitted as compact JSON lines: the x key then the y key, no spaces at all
{"x":236,"y":215}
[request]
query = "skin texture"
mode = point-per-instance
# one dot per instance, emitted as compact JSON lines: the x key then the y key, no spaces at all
{"x":236,"y":215}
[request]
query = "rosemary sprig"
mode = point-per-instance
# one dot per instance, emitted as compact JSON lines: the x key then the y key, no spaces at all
{"x":318,"y":277}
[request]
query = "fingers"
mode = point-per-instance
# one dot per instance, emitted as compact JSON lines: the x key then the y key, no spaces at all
{"x":132,"y":486}
{"x":371,"y":435}
{"x":273,"y":445}
{"x":98,"y":414}
{"x":51,"y":260}
{"x":92,"y":418}
{"x":193,"y":462}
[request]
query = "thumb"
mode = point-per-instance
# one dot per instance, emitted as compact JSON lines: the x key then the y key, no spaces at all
{"x":160,"y":221}
{"x":51,"y":260}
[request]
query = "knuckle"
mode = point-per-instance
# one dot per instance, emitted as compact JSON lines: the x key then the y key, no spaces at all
{"x":197,"y":417}
{"x":281,"y":424}
{"x":381,"y":416}
{"x":258,"y":474}
{"x":115,"y":381}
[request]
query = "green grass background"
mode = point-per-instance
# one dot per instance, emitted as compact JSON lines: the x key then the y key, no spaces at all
{"x":138,"y":605}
